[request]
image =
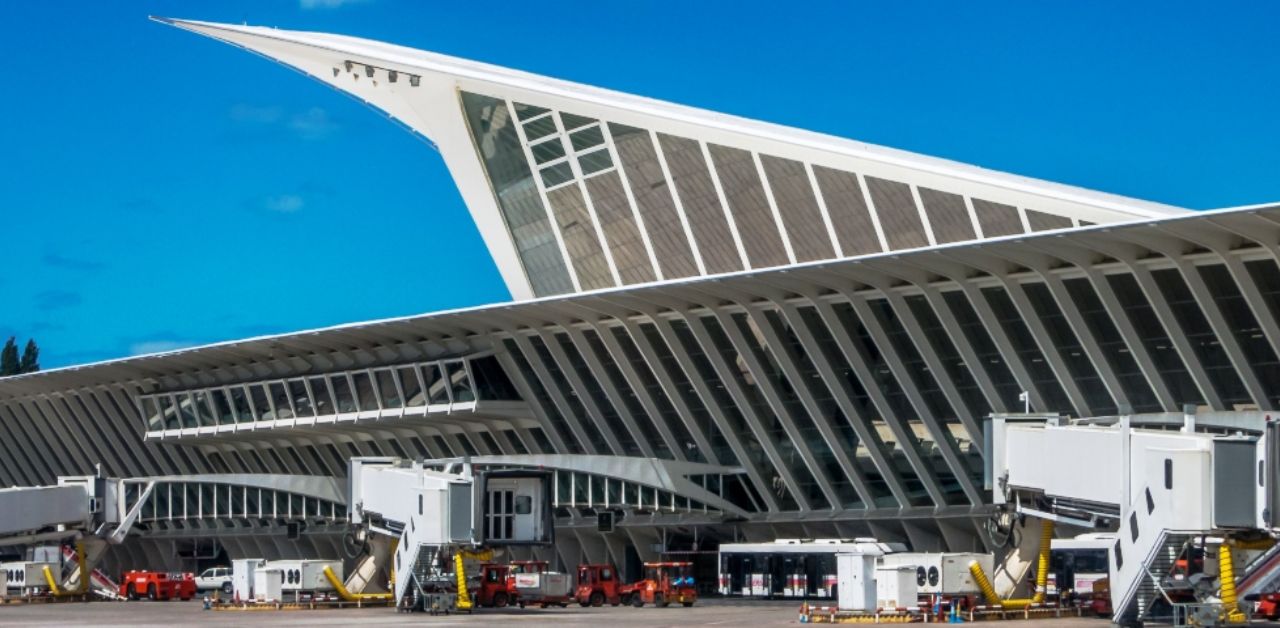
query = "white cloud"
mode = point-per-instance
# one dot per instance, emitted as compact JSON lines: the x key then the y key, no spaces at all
{"x":313,"y":124}
{"x":327,"y":4}
{"x":158,"y":346}
{"x":284,"y":203}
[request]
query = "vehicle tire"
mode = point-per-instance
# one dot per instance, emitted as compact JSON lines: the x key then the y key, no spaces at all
{"x":660,"y":601}
{"x":637,"y":600}
{"x":597,"y":599}
{"x":564,"y":605}
{"x":152,"y":593}
{"x":687,"y":604}
{"x":227,"y":589}
{"x":133,"y":593}
{"x":521,"y":604}
{"x":500,"y":600}
{"x":584,"y":603}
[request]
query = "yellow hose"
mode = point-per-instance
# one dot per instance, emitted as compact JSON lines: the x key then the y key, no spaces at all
{"x":464,"y":597}
{"x":1227,"y":576}
{"x":81,"y":588}
{"x":1042,"y":575}
{"x":343,"y":593}
{"x":984,"y":584}
{"x":460,"y":572}
{"x":1042,"y":571}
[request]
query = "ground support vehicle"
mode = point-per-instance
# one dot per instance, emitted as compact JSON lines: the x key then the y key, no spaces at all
{"x":536,"y":585}
{"x":494,"y":589}
{"x":663,"y":584}
{"x":598,"y":585}
{"x":157,"y":585}
{"x":215,"y":579}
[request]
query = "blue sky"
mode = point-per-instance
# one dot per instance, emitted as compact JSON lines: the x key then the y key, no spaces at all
{"x":160,"y":190}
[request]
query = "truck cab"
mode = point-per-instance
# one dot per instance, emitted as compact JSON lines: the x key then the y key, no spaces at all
{"x":598,"y":585}
{"x":495,"y":589}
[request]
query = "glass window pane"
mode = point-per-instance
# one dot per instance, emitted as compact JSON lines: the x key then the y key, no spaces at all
{"x":524,"y":112}
{"x":437,"y":387}
{"x":259,"y":398}
{"x":557,"y":174}
{"x":460,"y":383}
{"x":587,"y":138}
{"x":496,"y":141}
{"x":301,"y":398}
{"x":580,"y":238}
{"x":151,"y":412}
{"x":241,"y":403}
{"x":549,"y":150}
{"x":387,"y":388}
{"x":320,"y":393}
{"x":491,"y":380}
{"x":752,"y":215}
{"x":572,"y":121}
{"x":364,"y":391}
{"x":412,"y":387}
{"x":280,"y":398}
{"x":697,"y":193}
{"x":595,"y":162}
{"x":186,"y":410}
{"x":342,"y":393}
{"x":222,"y":407}
{"x":653,"y":198}
{"x":203,"y":412}
{"x":540,"y":128}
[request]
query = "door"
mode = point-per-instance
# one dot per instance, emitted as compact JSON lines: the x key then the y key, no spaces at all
{"x":499,"y":518}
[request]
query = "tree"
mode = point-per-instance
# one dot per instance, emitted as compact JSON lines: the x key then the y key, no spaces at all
{"x":30,"y":362}
{"x":9,"y":358}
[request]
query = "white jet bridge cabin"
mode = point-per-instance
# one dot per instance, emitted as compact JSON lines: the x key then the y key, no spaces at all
{"x":453,"y":512}
{"x":1175,"y":494}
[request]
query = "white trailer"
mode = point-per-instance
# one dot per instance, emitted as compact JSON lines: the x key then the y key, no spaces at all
{"x":306,"y":575}
{"x":25,"y":577}
{"x":944,"y":573}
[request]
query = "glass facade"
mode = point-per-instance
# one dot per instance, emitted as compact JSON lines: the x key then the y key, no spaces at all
{"x":593,"y":204}
{"x":430,"y":386}
{"x":499,"y":148}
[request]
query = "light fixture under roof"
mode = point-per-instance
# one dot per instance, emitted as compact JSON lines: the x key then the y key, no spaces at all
{"x":413,"y":79}
{"x":347,"y":64}
{"x":368,"y":71}
{"x":391,"y":75}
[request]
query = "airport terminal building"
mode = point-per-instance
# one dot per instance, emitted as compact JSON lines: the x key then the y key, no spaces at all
{"x":721,"y":329}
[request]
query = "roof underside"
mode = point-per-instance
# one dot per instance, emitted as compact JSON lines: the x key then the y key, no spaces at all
{"x":1222,"y":231}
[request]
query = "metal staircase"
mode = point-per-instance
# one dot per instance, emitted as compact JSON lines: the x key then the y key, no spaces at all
{"x":1262,"y":573}
{"x":1153,"y":585}
{"x":1146,"y":551}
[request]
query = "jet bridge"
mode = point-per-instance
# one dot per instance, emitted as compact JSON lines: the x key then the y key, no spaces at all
{"x":52,"y":513}
{"x":1163,"y":491}
{"x":436,"y":513}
